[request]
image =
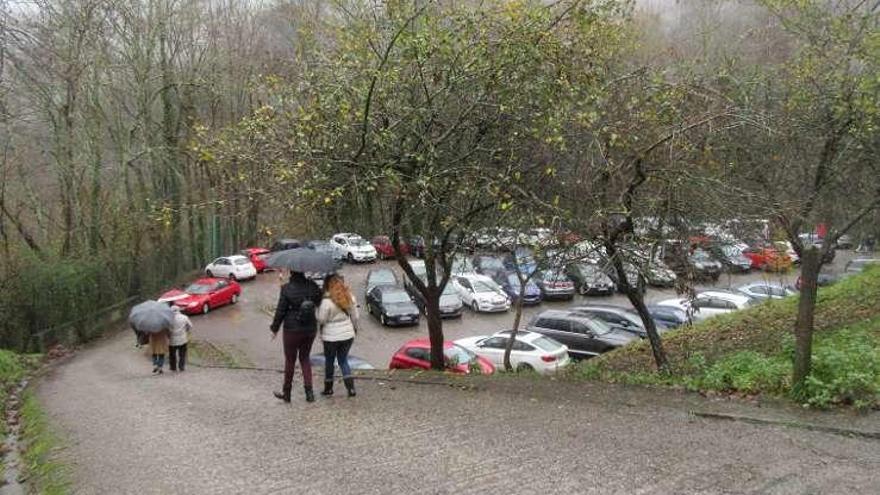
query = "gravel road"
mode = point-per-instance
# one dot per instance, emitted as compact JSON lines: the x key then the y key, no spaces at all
{"x":219,"y":431}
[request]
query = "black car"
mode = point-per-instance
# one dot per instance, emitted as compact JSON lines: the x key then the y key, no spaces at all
{"x":584,"y":336}
{"x":488,"y":265}
{"x":618,"y":316}
{"x":731,"y":258}
{"x":450,"y":304}
{"x":380,"y":276}
{"x":392,"y":305}
{"x":590,"y":280}
{"x":670,"y":316}
{"x":285,"y":244}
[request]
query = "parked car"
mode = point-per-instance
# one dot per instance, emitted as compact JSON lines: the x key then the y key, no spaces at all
{"x":257,"y":256}
{"x":590,"y":280}
{"x":380,"y":276}
{"x":710,"y":303}
{"x":669,"y":316}
{"x":618,"y":316}
{"x":763,"y":291}
{"x":703,"y":265}
{"x":416,"y":354}
{"x":392,"y":305}
{"x":204,"y":295}
{"x":480,"y":293}
{"x":555,"y":284}
{"x":417,"y":246}
{"x":462,"y":266}
{"x":658,"y":274}
{"x":353,"y":248}
{"x":584,"y":336}
{"x":450,"y":304}
{"x":525,"y":261}
{"x":731,"y":257}
{"x":384,"y":248}
{"x":845,"y":242}
{"x":235,"y":267}
{"x":633,"y":277}
{"x":488,"y":265}
{"x":418,"y":267}
{"x":768,"y":259}
{"x":858,"y":265}
{"x":787,"y":248}
{"x":697,"y":264}
{"x":509,"y":283}
{"x":285,"y":244}
{"x":813,"y":239}
{"x":531,"y":351}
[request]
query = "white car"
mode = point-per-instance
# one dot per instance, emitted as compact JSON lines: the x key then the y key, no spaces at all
{"x":763,"y":291}
{"x":235,"y":267}
{"x":481,"y":293}
{"x":531,"y":351}
{"x":710,"y":303}
{"x":353,"y":248}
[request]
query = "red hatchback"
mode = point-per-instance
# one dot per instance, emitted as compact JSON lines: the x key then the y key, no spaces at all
{"x":768,"y":258}
{"x":384,"y":248}
{"x":257,"y":256}
{"x":416,"y":354}
{"x":203,"y":295}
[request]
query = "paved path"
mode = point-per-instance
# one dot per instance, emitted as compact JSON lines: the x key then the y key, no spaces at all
{"x":217,"y":431}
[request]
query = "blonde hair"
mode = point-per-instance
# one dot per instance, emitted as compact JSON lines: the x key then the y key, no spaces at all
{"x":338,"y":292}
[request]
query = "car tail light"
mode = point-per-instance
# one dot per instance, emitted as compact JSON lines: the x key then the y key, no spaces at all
{"x":548,"y":359}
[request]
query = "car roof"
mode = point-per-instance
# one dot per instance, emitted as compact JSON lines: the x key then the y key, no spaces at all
{"x":725,"y":295}
{"x":563,"y":313}
{"x":762,"y":284}
{"x":523,"y":335}
{"x":235,"y":257}
{"x":425,"y":342}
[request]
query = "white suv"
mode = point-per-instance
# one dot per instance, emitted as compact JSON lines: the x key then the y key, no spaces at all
{"x":711,"y":303}
{"x":234,"y":267}
{"x":353,"y":248}
{"x":481,"y":293}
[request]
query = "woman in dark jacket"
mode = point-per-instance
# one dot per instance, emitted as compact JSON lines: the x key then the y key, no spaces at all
{"x":296,"y":312}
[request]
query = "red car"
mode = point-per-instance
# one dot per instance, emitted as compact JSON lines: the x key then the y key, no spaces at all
{"x":384,"y":249}
{"x":203,"y":295}
{"x":257,"y":256}
{"x":768,"y":258}
{"x":416,"y":354}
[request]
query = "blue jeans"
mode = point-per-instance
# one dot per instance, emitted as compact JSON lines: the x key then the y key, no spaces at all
{"x":158,"y":360}
{"x":336,"y":351}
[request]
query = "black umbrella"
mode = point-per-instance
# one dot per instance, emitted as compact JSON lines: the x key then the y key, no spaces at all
{"x":151,"y":317}
{"x":302,"y":260}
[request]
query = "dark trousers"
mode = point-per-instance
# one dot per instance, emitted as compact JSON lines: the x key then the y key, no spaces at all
{"x":177,"y":357}
{"x":297,"y":345}
{"x":333,"y":352}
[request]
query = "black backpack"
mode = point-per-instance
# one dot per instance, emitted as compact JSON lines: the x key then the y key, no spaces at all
{"x":306,"y":314}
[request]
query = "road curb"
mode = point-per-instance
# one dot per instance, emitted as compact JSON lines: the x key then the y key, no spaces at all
{"x":847,"y":432}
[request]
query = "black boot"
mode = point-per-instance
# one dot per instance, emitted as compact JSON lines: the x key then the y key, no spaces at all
{"x":310,"y":396}
{"x":349,"y":385}
{"x":328,"y":388}
{"x":284,"y":395}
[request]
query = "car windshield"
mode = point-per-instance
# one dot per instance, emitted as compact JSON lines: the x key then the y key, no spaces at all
{"x":242,"y":261}
{"x":599,"y":327}
{"x":199,"y":289}
{"x":356,"y":241}
{"x":700,"y":255}
{"x":449,"y":290}
{"x":456,"y":355}
{"x":481,"y":287}
{"x":396,"y":296}
{"x":491,"y":263}
{"x":546,"y":344}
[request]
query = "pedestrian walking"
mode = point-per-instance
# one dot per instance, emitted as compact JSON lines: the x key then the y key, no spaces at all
{"x":296,"y":309}
{"x":179,"y":339}
{"x":337,"y":321}
{"x":158,"y":348}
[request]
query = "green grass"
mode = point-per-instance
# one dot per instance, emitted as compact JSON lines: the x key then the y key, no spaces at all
{"x":205,"y":353}
{"x":750,"y":352}
{"x":45,"y":475}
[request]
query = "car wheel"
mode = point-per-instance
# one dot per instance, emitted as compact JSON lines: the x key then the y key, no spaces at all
{"x":383,"y":320}
{"x":524,"y":367}
{"x":209,"y":274}
{"x":234,"y":298}
{"x":206,"y":308}
{"x":350,"y":258}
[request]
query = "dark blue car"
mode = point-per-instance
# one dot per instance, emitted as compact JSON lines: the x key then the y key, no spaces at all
{"x":509,"y":282}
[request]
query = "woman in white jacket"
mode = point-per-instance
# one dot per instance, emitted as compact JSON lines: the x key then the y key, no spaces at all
{"x":337,"y":320}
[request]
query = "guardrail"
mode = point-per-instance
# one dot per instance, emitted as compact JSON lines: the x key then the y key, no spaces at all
{"x":83,"y":329}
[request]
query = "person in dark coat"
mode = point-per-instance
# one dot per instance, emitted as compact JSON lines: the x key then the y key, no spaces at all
{"x":297,"y":304}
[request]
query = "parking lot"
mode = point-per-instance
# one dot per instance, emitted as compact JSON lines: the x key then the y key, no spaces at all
{"x":245,"y":326}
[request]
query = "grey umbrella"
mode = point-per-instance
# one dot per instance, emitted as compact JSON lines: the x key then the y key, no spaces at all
{"x":151,"y":316}
{"x":302,"y":260}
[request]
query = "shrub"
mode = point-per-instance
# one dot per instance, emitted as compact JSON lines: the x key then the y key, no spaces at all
{"x":748,"y":371}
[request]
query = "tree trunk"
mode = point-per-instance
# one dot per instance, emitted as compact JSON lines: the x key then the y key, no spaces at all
{"x":638,"y":301}
{"x":435,"y":328}
{"x":811,"y":262}
{"x":517,"y":317}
